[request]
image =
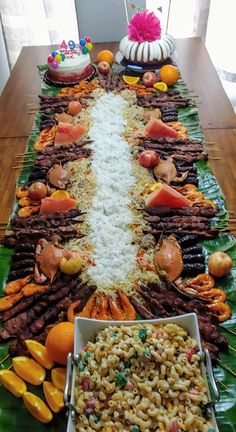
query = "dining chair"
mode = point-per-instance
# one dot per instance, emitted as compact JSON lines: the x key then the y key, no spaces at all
{"x":105,"y":20}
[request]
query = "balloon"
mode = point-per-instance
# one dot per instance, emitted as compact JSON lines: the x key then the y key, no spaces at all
{"x":87,"y":39}
{"x":82,"y":42}
{"x":71,"y":44}
{"x":54,"y":53}
{"x":85,"y":50}
{"x":58,"y":58}
{"x":54,"y":64}
{"x":50,"y":59}
{"x":89,"y":46}
{"x":62,"y":57}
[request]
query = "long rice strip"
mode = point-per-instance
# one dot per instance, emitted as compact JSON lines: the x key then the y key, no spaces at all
{"x":110,"y":215}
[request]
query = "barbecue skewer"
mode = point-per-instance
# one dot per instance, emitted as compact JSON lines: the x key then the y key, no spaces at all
{"x":226,"y":368}
{"x":222,"y":384}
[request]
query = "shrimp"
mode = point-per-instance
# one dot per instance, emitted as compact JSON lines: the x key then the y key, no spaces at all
{"x":71,"y":311}
{"x":221,"y":310}
{"x":16,"y":285}
{"x":28,"y":211}
{"x":204,"y":202}
{"x":129,"y":311}
{"x":10,"y":300}
{"x":22,"y":191}
{"x":202,"y":282}
{"x":88,"y":308}
{"x":188,"y":188}
{"x":215,"y":295}
{"x":116,"y":312}
{"x":32,"y":289}
{"x":103,"y":308}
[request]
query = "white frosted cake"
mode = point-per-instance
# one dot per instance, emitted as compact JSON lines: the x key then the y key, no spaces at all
{"x":144,"y":43}
{"x":73,"y":66}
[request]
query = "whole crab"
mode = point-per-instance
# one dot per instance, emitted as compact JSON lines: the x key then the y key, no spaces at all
{"x":48,"y":256}
{"x":168,"y":257}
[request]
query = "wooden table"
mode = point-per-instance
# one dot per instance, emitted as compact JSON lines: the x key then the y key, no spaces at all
{"x":216,"y":113}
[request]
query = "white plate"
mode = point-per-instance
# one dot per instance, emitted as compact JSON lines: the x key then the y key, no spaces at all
{"x":86,"y":329}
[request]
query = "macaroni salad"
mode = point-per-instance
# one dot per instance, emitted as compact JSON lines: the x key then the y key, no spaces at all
{"x":140,"y":378}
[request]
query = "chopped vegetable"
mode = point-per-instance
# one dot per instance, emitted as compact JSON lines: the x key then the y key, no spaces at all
{"x":143,"y":334}
{"x":121,"y":379}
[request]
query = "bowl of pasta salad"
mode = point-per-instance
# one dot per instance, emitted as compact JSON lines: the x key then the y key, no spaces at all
{"x":139,"y":376}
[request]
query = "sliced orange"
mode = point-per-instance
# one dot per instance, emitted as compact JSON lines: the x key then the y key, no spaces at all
{"x":130,"y":79}
{"x":161,"y":86}
{"x":39,"y":352}
{"x":12,"y":382}
{"x":54,"y":396}
{"x":29,"y":370}
{"x":58,"y":376}
{"x":37,"y":407}
{"x":60,"y":194}
{"x":154,"y":186}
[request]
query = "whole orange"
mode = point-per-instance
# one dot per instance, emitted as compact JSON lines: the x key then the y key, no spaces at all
{"x":169,"y":74}
{"x":107,"y":56}
{"x":60,"y":341}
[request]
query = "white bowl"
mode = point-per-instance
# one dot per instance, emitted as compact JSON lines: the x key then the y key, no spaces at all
{"x":86,"y":329}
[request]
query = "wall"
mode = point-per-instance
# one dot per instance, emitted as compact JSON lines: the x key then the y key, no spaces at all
{"x":104,"y":20}
{"x":4,"y":67}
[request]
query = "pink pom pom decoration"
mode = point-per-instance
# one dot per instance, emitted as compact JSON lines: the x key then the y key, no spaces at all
{"x":144,"y":27}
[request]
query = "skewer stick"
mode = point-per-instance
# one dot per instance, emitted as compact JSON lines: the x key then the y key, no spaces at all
{"x":232,"y":349}
{"x":214,"y":158}
{"x":222,"y":384}
{"x":226,"y":368}
{"x":10,"y":367}
{"x":27,"y":153}
{"x":22,"y":166}
{"x":4,"y":359}
{"x":228,"y":330}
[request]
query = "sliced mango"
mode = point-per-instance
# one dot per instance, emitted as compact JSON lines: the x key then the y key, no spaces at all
{"x":58,"y":376}
{"x":54,"y":396}
{"x":39,"y":352}
{"x":37,"y":407}
{"x":29,"y":370}
{"x":12,"y":382}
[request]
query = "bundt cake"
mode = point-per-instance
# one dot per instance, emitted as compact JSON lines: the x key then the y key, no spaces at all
{"x":144,"y":43}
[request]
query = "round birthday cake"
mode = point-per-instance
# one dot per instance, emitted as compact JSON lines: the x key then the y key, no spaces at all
{"x":144,"y":43}
{"x":69,"y":65}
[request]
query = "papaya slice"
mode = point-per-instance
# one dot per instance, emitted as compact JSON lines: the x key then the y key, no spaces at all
{"x":156,"y":128}
{"x":166,"y":196}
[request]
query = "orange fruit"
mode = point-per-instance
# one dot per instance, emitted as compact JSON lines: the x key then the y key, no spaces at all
{"x":39,"y":352}
{"x":29,"y":370}
{"x":161,"y":86}
{"x":12,"y":382}
{"x":107,"y":56}
{"x":60,"y":194}
{"x":54,"y":397}
{"x":169,"y":74}
{"x":58,"y":376}
{"x":60,"y":341}
{"x":130,"y":79}
{"x":37,"y":407}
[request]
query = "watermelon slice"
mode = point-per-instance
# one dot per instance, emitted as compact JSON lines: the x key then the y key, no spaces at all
{"x":166,"y":196}
{"x":56,"y":205}
{"x":67,"y":133}
{"x":158,"y":129}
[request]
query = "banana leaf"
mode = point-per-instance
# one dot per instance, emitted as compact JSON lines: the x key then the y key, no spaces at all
{"x":13,"y":414}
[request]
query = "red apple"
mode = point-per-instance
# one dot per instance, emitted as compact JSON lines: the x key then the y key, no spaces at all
{"x":104,"y":67}
{"x":219,"y":264}
{"x":148,"y":158}
{"x":37,"y":191}
{"x":149,"y":79}
{"x":70,"y":263}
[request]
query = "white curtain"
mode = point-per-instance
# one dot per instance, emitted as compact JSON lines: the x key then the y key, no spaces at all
{"x":37,"y":22}
{"x":201,"y":18}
